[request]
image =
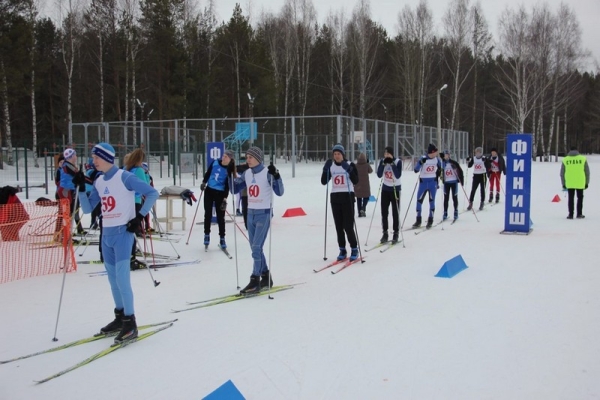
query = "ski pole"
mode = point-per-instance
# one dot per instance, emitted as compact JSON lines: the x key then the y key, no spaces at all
{"x":270,"y":236}
{"x":472,"y":208}
{"x":237,"y":225}
{"x":66,"y":241}
{"x":160,"y":229}
{"x":194,"y":219}
{"x":231,"y":189}
{"x":154,"y":281}
{"x":409,"y":203}
{"x":374,"y":208}
{"x":326,"y":206}
{"x":397,"y":205}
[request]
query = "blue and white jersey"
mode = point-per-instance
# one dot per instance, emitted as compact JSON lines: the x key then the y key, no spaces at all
{"x":218,"y":176}
{"x":340,"y":181}
{"x":449,"y":173}
{"x":429,"y":169}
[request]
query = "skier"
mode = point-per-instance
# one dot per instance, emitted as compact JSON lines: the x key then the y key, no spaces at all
{"x":495,"y":167}
{"x":67,"y":189}
{"x":390,"y":168}
{"x":133,"y":164}
{"x":453,"y":175}
{"x":479,"y":176}
{"x":261,"y":183}
{"x":216,"y":190}
{"x":430,"y":169}
{"x":575,"y":177}
{"x":343,"y":176}
{"x":243,"y":196}
{"x":116,"y":189}
{"x":362,"y":189}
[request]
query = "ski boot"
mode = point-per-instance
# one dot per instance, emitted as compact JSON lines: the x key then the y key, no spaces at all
{"x":580,"y":216}
{"x":135,"y":264}
{"x":353,"y":253}
{"x":497,"y":197}
{"x":491,"y":198}
{"x":206,"y":239}
{"x":417,"y":223}
{"x":470,"y":207}
{"x":395,"y":237}
{"x":238,"y":213}
{"x":115,"y":325}
{"x":445,"y":216}
{"x":384,"y":238}
{"x":481,"y":205}
{"x":429,"y":223}
{"x":222,"y":243}
{"x":129,"y":330}
{"x":343,"y":254}
{"x":455,"y":215}
{"x":266,"y":280}
{"x":253,"y":286}
{"x":570,"y":216}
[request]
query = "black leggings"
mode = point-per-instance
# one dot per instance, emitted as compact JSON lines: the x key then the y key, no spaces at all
{"x":343,"y":216}
{"x":212,"y":196}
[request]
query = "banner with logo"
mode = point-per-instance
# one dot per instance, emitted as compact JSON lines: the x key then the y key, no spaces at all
{"x":214,"y":151}
{"x":517,"y":218}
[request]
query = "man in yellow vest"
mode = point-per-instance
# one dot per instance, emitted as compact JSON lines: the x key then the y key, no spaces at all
{"x":575,"y":177}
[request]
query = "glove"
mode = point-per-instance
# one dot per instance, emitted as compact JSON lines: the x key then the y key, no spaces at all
{"x":468,"y":159}
{"x":388,"y":160}
{"x":203,"y":186}
{"x":423,"y":159}
{"x":328,"y":164}
{"x":230,"y":168}
{"x":79,"y":181}
{"x":273,"y":171}
{"x":345,"y":165}
{"x":135,"y":225}
{"x":188,"y":196}
{"x":224,"y":205}
{"x":586,"y":185}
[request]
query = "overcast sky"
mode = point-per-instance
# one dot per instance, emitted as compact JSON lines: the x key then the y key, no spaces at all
{"x":386,"y":13}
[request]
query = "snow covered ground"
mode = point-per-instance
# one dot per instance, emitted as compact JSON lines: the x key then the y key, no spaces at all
{"x":521,"y":322}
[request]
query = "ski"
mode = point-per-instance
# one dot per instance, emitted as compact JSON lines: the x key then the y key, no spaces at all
{"x":336,"y":262}
{"x":378,"y":245}
{"x":97,"y":336}
{"x":104,"y":352}
{"x":347,"y":264}
{"x":235,"y":297}
{"x":427,"y":229}
{"x":163,"y":265}
{"x":391,"y":244}
{"x":224,"y":250}
{"x":277,"y":287}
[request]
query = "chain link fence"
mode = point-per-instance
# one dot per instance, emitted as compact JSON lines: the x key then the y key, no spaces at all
{"x":177,"y":147}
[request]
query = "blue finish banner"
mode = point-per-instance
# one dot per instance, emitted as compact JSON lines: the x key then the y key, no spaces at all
{"x":517,"y":214}
{"x":214,"y":151}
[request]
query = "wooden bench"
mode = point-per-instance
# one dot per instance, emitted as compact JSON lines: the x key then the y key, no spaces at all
{"x":170,"y":217}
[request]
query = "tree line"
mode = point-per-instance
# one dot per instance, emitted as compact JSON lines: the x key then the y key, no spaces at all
{"x":115,"y":60}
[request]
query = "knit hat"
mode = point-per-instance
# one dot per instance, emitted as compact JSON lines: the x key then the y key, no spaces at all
{"x":479,"y":150}
{"x":340,"y":148}
{"x":389,"y":150}
{"x":446,"y":152}
{"x":431,"y":148}
{"x":229,"y":154}
{"x":256,"y":153}
{"x":105,"y":151}
{"x":494,"y":149}
{"x":68,"y":153}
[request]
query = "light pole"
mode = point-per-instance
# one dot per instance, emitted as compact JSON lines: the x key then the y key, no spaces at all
{"x":251,"y":118}
{"x":142,"y":105}
{"x":439,"y":115}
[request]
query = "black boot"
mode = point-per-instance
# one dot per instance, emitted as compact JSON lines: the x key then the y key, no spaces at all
{"x":266,"y":280}
{"x":253,"y":286}
{"x":115,"y":325}
{"x":395,"y":237}
{"x":580,"y":216}
{"x":135,"y":264}
{"x":129,"y":330}
{"x":429,"y":223}
{"x":491,"y":197}
{"x":481,"y":205}
{"x":384,"y":238}
{"x":497,"y":197}
{"x":417,"y":223}
{"x":470,"y":207}
{"x":570,"y":216}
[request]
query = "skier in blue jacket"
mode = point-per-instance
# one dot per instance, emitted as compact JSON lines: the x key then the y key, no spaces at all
{"x":116,"y":190}
{"x":429,"y":168}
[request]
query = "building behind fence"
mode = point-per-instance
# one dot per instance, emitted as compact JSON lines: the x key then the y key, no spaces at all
{"x":177,"y":147}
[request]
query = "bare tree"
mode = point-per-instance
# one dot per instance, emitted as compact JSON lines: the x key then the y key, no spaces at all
{"x":32,"y":8}
{"x":481,"y":46}
{"x":366,"y":42}
{"x":517,"y":71}
{"x":337,"y":24}
{"x":208,"y":27}
{"x":458,"y":26}
{"x":413,"y":59}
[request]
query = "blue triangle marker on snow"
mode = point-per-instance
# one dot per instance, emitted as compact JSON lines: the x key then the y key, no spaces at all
{"x":226,"y":391}
{"x":452,"y":267}
{"x":372,"y":198}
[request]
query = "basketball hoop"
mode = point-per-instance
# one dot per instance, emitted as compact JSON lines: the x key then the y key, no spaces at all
{"x":358,"y":137}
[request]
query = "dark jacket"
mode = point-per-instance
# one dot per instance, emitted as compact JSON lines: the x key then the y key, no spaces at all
{"x":501,"y":164}
{"x":457,"y":170}
{"x":362,"y":189}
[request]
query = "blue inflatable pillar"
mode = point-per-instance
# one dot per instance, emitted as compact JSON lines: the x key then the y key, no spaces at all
{"x":226,"y":391}
{"x":452,"y":267}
